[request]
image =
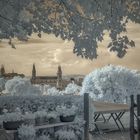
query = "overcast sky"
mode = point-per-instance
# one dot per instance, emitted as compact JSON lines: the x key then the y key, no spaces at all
{"x":49,"y":52}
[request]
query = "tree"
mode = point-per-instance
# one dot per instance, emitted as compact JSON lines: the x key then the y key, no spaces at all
{"x":72,"y":89}
{"x":51,"y":91}
{"x":2,"y":84}
{"x":20,"y":87}
{"x":112,"y":83}
{"x":81,"y":21}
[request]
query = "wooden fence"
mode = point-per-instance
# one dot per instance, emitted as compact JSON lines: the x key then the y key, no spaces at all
{"x":12,"y":134}
{"x":135,"y":118}
{"x":87,"y":135}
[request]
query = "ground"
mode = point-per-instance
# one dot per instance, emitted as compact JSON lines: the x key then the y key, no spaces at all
{"x":109,"y":131}
{"x":112,"y":136}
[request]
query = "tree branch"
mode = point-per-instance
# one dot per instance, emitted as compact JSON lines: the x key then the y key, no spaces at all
{"x":78,"y":14}
{"x":1,"y":16}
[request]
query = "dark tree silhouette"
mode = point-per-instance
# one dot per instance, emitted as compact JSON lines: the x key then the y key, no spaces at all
{"x":82,"y":21}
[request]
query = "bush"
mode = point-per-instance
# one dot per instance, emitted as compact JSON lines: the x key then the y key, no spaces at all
{"x":72,"y":89}
{"x":20,"y":87}
{"x":2,"y":84}
{"x":26,"y":132}
{"x":31,"y":104}
{"x":112,"y":83}
{"x":43,"y":137}
{"x":37,"y":103}
{"x":65,"y":135}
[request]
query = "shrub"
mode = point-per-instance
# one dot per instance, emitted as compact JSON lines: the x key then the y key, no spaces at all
{"x":65,"y":135}
{"x":43,"y":137}
{"x":111,"y":83}
{"x":37,"y":103}
{"x":66,"y":111}
{"x":72,"y":89}
{"x":26,"y":132}
{"x":14,"y":116}
{"x":21,"y":86}
{"x":2,"y":84}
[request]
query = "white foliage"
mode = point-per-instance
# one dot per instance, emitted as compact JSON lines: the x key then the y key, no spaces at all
{"x":65,"y":111}
{"x":111,"y":83}
{"x":52,"y":114}
{"x":5,"y":111}
{"x":26,"y":132}
{"x":2,"y":84}
{"x":14,"y":116}
{"x":40,"y":114}
{"x":44,"y":89}
{"x":21,"y":86}
{"x":29,"y":115}
{"x":40,"y":103}
{"x":52,"y":91}
{"x":72,"y":89}
{"x":43,"y":137}
{"x":65,"y":135}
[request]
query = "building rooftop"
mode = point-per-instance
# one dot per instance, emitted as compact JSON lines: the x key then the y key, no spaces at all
{"x":46,"y":77}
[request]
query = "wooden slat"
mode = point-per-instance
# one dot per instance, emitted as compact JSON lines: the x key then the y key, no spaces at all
{"x":53,"y":125}
{"x":104,"y":107}
{"x":45,"y":126}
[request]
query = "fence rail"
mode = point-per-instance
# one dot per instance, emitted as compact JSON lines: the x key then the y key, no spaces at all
{"x":134,"y":117}
{"x":13,"y":133}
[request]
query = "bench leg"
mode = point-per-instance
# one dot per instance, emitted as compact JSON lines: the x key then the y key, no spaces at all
{"x":118,"y":117}
{"x":112,"y":115}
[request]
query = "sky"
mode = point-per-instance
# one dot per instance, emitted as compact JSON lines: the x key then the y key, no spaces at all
{"x":49,"y":52}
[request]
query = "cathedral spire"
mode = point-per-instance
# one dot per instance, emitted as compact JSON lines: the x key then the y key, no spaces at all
{"x":59,"y":71}
{"x":2,"y":70}
{"x":59,"y":77}
{"x":33,"y":72}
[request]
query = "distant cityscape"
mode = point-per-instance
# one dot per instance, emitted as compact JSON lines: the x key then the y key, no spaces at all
{"x":59,"y":81}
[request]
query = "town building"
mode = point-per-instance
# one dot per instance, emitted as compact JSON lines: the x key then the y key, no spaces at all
{"x":9,"y":76}
{"x":57,"y":81}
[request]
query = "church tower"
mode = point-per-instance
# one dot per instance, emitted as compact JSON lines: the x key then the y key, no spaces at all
{"x":33,"y":72}
{"x":2,"y":70}
{"x":59,"y":78}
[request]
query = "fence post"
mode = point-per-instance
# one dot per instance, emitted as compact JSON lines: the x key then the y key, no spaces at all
{"x":86,"y":116}
{"x":132,"y":132}
{"x":138,"y":115}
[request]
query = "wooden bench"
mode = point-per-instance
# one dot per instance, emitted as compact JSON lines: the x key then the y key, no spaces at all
{"x":115,"y":111}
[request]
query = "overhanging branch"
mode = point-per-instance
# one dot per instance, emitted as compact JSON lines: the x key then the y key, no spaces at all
{"x":78,"y":14}
{"x":5,"y":18}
